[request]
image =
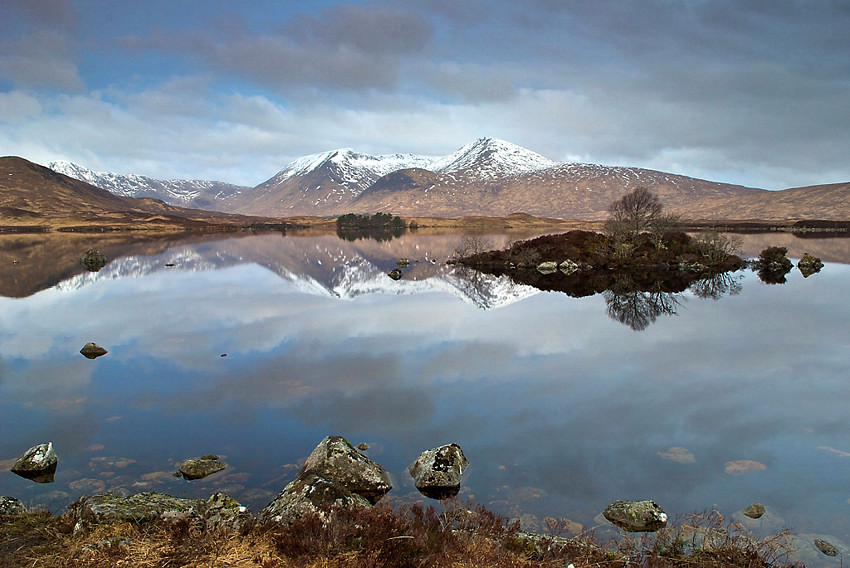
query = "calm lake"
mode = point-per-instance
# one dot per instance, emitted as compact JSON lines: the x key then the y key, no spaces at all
{"x":256,"y":347}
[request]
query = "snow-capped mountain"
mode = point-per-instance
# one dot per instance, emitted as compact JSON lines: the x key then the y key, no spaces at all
{"x":488,"y":158}
{"x":488,"y":177}
{"x":199,"y":194}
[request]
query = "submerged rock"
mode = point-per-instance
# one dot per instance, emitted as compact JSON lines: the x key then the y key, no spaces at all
{"x":37,"y":464}
{"x":93,"y":260}
{"x":809,"y":265}
{"x":437,"y":472}
{"x":636,"y":516}
{"x":754,"y":511}
{"x":92,"y":350}
{"x":11,"y":506}
{"x":201,"y":467}
{"x":826,"y":547}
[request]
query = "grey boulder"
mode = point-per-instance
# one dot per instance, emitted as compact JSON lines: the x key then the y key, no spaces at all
{"x":437,"y":472}
{"x":201,"y":467}
{"x":334,"y":475}
{"x":37,"y":464}
{"x":11,"y":506}
{"x":92,"y":350}
{"x":636,"y":516}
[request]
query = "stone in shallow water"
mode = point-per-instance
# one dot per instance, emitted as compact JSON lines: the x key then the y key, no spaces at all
{"x":754,"y":511}
{"x":437,"y":472}
{"x":636,"y":516}
{"x":201,"y":467}
{"x":826,"y":547}
{"x":92,"y":350}
{"x":37,"y":464}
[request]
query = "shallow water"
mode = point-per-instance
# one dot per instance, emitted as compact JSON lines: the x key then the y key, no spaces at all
{"x":255,"y":348}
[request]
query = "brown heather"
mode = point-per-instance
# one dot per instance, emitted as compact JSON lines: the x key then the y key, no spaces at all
{"x":381,"y":537}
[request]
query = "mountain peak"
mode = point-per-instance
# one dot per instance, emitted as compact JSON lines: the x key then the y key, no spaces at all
{"x":492,"y":156}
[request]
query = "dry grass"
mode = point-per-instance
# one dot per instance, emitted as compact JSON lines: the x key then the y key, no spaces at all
{"x":382,"y":537}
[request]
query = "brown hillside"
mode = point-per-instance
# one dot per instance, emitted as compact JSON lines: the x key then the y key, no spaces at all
{"x":34,"y":196}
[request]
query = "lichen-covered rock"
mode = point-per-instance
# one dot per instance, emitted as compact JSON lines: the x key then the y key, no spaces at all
{"x":223,"y":511}
{"x":198,"y":468}
{"x":92,"y":350}
{"x":826,"y":547}
{"x":37,"y":464}
{"x":636,"y":516}
{"x":115,"y":506}
{"x":309,"y":494}
{"x":336,"y":459}
{"x":437,"y":472}
{"x":11,"y":506}
{"x":93,"y":260}
{"x":809,"y":265}
{"x":754,"y":511}
{"x":547,"y":267}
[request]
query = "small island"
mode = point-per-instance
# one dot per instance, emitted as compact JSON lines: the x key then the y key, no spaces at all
{"x":641,"y":249}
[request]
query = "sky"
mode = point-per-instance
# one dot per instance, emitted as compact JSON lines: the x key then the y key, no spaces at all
{"x":755,"y":93}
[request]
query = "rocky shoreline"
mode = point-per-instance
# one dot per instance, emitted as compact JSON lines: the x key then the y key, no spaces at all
{"x":336,"y":480}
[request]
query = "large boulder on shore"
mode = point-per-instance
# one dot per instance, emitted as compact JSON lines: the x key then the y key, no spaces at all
{"x":336,"y":459}
{"x":636,"y":516}
{"x":117,"y":506}
{"x":437,"y":472}
{"x":11,"y":506}
{"x":310,"y":494}
{"x":38,"y":463}
{"x":334,"y":475}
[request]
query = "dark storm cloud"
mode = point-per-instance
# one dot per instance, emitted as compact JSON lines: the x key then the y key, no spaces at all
{"x":349,"y":47}
{"x":36,"y":45}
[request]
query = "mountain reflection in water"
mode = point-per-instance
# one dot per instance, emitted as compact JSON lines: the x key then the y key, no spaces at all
{"x":559,"y":409}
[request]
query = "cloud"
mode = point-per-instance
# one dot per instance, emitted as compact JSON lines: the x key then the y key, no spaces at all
{"x":348,"y":47}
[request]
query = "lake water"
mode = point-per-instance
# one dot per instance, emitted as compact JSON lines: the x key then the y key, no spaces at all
{"x":257,"y":347}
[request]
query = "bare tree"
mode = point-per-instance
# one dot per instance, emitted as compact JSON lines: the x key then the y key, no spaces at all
{"x":634,"y":213}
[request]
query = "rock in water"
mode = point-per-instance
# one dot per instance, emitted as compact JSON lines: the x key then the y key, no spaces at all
{"x":395,"y":274}
{"x":437,"y":472}
{"x":92,"y":350}
{"x":11,"y":506}
{"x":636,"y":516}
{"x":754,"y":511}
{"x":826,"y":547}
{"x":201,"y":467}
{"x":809,"y":265}
{"x":38,"y":463}
{"x":93,"y":260}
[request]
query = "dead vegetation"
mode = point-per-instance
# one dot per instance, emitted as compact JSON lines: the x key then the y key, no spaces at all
{"x":409,"y":536}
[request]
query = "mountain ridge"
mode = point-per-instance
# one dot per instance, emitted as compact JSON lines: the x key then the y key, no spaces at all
{"x":494,"y":178}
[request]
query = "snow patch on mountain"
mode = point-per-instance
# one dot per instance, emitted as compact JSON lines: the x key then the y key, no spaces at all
{"x":174,"y":191}
{"x":491,"y":157}
{"x":351,"y":168}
